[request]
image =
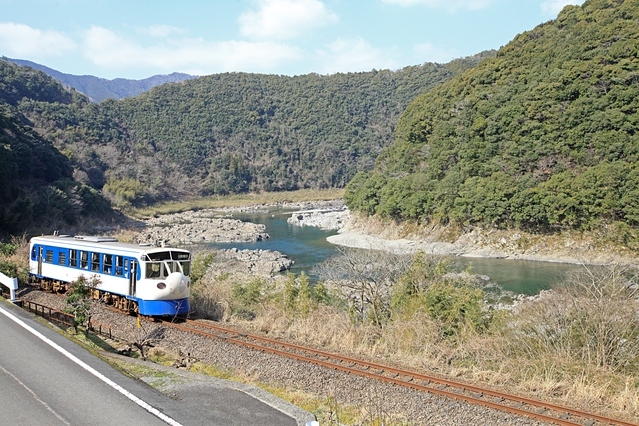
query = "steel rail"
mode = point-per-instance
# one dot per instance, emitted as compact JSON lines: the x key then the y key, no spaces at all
{"x":562,"y":411}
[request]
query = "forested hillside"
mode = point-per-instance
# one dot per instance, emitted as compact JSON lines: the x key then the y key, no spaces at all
{"x":544,"y":136}
{"x":37,"y":189}
{"x":220,"y":134}
{"x":242,"y":132}
{"x":234,"y":132}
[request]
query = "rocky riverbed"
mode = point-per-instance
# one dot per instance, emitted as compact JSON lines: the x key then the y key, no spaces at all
{"x":328,"y":219}
{"x":196,"y":227}
{"x":250,"y":262}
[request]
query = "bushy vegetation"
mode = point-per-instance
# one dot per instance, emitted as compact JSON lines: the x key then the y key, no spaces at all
{"x":591,"y":319}
{"x":79,"y":301}
{"x":542,"y":137}
{"x":14,"y":259}
{"x":577,"y":344}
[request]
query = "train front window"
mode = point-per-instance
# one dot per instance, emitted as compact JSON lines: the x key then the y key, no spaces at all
{"x":154,"y":270}
{"x":160,"y":255}
{"x":162,"y":263}
{"x":186,"y":268}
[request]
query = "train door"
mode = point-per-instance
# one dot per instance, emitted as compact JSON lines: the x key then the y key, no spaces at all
{"x":133,"y":273}
{"x":40,"y":251}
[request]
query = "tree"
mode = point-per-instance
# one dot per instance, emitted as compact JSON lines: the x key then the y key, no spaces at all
{"x":79,"y":300}
{"x":365,"y":279}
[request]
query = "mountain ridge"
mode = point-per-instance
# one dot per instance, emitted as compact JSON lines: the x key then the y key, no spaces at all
{"x":99,"y":89}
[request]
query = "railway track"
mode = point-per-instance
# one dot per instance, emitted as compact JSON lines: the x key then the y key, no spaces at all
{"x":539,"y":410}
{"x":469,"y":393}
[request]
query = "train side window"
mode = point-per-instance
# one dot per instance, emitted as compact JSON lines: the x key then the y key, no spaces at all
{"x":84,"y":260}
{"x":62,"y":258}
{"x":95,"y":262}
{"x":107,"y":263}
{"x":48,"y":256}
{"x":119,"y":263}
{"x":73,"y":258}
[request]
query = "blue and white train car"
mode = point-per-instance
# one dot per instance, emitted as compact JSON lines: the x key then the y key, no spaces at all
{"x":152,"y":281}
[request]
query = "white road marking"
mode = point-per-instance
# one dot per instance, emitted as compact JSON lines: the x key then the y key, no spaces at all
{"x":91,"y":370}
{"x":62,"y":419}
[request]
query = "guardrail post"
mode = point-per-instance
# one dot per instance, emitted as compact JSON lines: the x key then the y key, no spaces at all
{"x":12,"y":283}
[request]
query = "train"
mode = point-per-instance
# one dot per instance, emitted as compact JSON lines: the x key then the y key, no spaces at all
{"x":145,"y":279}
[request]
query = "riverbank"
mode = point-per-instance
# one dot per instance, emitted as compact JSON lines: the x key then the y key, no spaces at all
{"x":566,"y":247}
{"x":215,"y":226}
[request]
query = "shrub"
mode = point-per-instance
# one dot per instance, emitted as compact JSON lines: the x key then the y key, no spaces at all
{"x":590,"y":319}
{"x":78,"y":300}
{"x":246,"y":296}
{"x":456,"y":307}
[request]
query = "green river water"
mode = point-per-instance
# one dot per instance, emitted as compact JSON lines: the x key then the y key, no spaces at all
{"x":307,"y":246}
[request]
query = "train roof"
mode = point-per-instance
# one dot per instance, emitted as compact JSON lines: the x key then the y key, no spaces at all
{"x":105,"y":243}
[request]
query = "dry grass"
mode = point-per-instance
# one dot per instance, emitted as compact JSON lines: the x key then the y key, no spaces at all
{"x":485,"y":359}
{"x":239,"y":200}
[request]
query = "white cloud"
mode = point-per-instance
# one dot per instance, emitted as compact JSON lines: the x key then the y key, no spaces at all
{"x":553,"y":7}
{"x":352,"y":55}
{"x":426,"y":52}
{"x":285,"y":19}
{"x":161,"y":31}
{"x":195,"y":55}
{"x":22,"y":41}
{"x":451,"y":5}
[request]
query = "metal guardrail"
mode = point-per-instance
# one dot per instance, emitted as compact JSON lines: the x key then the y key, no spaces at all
{"x":48,"y":313}
{"x":60,"y":317}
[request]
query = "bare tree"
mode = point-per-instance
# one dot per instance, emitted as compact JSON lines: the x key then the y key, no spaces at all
{"x":365,"y":278}
{"x":147,"y":338}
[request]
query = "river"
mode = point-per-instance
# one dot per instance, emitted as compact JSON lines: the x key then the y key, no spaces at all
{"x":307,"y":246}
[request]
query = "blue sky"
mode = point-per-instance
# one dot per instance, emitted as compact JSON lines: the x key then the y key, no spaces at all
{"x":137,"y":39}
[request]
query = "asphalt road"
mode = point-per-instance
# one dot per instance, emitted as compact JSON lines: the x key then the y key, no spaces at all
{"x":45,"y":379}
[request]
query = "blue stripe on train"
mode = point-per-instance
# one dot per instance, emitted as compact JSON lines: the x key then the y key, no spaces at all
{"x":163,"y":307}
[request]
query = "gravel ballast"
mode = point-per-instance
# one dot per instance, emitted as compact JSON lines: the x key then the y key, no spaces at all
{"x":373,"y":397}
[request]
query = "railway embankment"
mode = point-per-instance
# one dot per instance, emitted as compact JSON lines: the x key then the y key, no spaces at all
{"x":374,"y":398}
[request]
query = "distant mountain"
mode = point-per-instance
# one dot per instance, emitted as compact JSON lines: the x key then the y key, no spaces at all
{"x":99,"y":89}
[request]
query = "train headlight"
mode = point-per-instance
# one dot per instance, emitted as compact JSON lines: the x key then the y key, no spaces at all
{"x":161,"y":286}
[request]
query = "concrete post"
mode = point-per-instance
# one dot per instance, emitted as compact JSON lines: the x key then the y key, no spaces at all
{"x":12,"y":284}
